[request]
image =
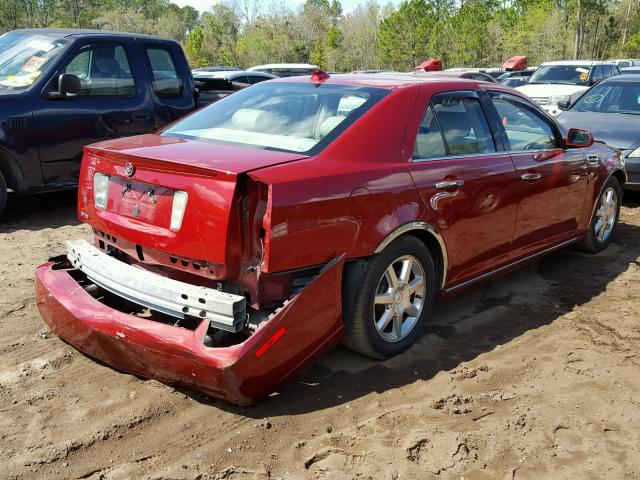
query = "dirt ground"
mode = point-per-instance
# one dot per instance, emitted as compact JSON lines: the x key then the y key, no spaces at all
{"x":534,"y":376}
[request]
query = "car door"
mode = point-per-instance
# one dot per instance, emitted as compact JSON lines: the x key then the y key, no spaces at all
{"x":466,"y":182}
{"x":110,"y":104}
{"x":552,"y":180}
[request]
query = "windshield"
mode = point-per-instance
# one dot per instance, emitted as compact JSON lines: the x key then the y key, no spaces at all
{"x":24,"y":56}
{"x":611,"y":97}
{"x":293,"y":117}
{"x":566,"y":74}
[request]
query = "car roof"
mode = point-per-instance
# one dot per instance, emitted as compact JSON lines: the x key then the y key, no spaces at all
{"x":230,"y":73}
{"x":282,"y":65}
{"x":75,"y":32}
{"x":629,"y":78}
{"x":577,"y":62}
{"x":392,"y":81}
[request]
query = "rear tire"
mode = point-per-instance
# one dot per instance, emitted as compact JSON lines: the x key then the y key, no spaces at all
{"x":388,"y":298}
{"x":3,"y":193}
{"x":604,"y":221}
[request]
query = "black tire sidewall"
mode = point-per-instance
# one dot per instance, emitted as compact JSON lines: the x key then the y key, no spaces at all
{"x":3,"y":193}
{"x":403,"y":246}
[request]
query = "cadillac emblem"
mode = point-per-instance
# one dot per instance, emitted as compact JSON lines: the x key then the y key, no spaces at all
{"x":129,"y":169}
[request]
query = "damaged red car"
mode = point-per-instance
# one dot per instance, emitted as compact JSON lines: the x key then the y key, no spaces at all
{"x":234,"y":247}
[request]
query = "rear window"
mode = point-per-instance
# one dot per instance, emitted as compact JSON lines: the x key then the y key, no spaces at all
{"x":166,"y":81}
{"x":293,"y":117}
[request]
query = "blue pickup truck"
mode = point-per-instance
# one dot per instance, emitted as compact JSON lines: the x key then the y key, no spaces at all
{"x":63,"y":89}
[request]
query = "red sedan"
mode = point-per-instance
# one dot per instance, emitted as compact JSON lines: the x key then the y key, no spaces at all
{"x":239,"y":244}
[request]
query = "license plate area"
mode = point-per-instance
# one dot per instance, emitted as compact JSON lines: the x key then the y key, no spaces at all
{"x":144,"y":201}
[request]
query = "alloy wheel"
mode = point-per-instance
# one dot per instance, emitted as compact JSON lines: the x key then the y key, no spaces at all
{"x":399,"y":298}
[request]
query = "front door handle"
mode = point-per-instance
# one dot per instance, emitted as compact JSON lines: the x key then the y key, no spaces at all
{"x":530,"y":177}
{"x":444,"y":184}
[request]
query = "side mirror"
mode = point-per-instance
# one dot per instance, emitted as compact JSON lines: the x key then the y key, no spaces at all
{"x":578,"y":138}
{"x":68,"y":83}
{"x":564,"y":105}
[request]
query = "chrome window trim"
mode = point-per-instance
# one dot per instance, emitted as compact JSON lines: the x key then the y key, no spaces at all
{"x":412,"y":226}
{"x":453,"y":157}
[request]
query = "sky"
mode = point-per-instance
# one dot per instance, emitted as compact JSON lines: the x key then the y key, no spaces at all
{"x":205,"y":5}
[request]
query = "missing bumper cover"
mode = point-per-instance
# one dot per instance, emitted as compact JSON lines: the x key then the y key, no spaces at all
{"x":225,"y":311}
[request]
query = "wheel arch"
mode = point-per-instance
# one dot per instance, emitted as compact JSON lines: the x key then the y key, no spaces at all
{"x":430,"y":237}
{"x":11,"y":171}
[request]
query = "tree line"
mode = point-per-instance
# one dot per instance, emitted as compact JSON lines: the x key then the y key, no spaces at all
{"x":472,"y":33}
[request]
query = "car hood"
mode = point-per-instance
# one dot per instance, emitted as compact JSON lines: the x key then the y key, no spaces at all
{"x":199,"y":155}
{"x":617,"y":130}
{"x":548,"y":90}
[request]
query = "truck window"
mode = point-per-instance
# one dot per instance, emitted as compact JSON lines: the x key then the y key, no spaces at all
{"x":166,"y":81}
{"x":103,"y":70}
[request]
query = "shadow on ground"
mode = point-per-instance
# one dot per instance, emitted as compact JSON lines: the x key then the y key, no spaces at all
{"x":462,"y":328}
{"x":39,"y":211}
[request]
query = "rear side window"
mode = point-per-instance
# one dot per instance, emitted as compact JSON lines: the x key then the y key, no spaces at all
{"x":463,"y":124}
{"x":429,"y":142}
{"x":166,"y":81}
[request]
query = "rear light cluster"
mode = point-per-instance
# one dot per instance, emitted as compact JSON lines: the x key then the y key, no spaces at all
{"x":100,"y":190}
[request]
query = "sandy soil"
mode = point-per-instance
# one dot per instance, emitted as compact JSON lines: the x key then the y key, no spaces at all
{"x":534,"y":376}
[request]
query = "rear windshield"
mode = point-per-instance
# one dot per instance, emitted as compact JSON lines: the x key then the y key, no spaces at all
{"x":562,"y":74}
{"x":292,"y":117}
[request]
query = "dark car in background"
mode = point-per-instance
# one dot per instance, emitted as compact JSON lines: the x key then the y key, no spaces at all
{"x":514,"y":82}
{"x":611,"y":111}
{"x":63,"y":89}
{"x":212,"y":86}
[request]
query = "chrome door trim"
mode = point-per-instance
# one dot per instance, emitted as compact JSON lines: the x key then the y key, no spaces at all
{"x":412,"y":226}
{"x":513,"y":264}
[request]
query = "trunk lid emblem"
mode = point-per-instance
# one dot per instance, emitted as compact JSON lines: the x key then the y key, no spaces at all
{"x":129,"y":169}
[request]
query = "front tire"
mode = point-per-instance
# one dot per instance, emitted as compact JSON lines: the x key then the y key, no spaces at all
{"x":3,"y":193}
{"x":605,"y":218}
{"x":390,"y":300}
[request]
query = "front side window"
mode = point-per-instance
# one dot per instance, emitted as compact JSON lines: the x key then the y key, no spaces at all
{"x":598,"y":74}
{"x":103,"y":70}
{"x":294,"y":117}
{"x":526,"y":130}
{"x":463,"y":124}
{"x":612,"y":96}
{"x":166,"y":81}
{"x":562,"y":74}
{"x":24,"y":56}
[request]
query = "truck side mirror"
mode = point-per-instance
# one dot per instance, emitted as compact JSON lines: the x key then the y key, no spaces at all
{"x":564,"y":105}
{"x":68,"y":83}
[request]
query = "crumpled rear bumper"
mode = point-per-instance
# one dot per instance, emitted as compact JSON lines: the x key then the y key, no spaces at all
{"x":307,"y":326}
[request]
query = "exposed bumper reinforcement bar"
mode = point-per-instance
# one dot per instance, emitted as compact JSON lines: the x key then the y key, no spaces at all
{"x":224,"y":310}
{"x":308,"y":325}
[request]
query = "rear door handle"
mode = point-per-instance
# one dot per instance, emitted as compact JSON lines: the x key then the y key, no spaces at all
{"x":530,"y":177}
{"x":444,"y":184}
{"x":141,"y":115}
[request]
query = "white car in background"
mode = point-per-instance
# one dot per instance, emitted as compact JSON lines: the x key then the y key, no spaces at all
{"x":285,"y":69}
{"x":556,"y":82}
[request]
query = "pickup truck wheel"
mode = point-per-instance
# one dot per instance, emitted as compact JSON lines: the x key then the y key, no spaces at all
{"x":3,"y":193}
{"x":391,"y":300}
{"x":605,"y":218}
